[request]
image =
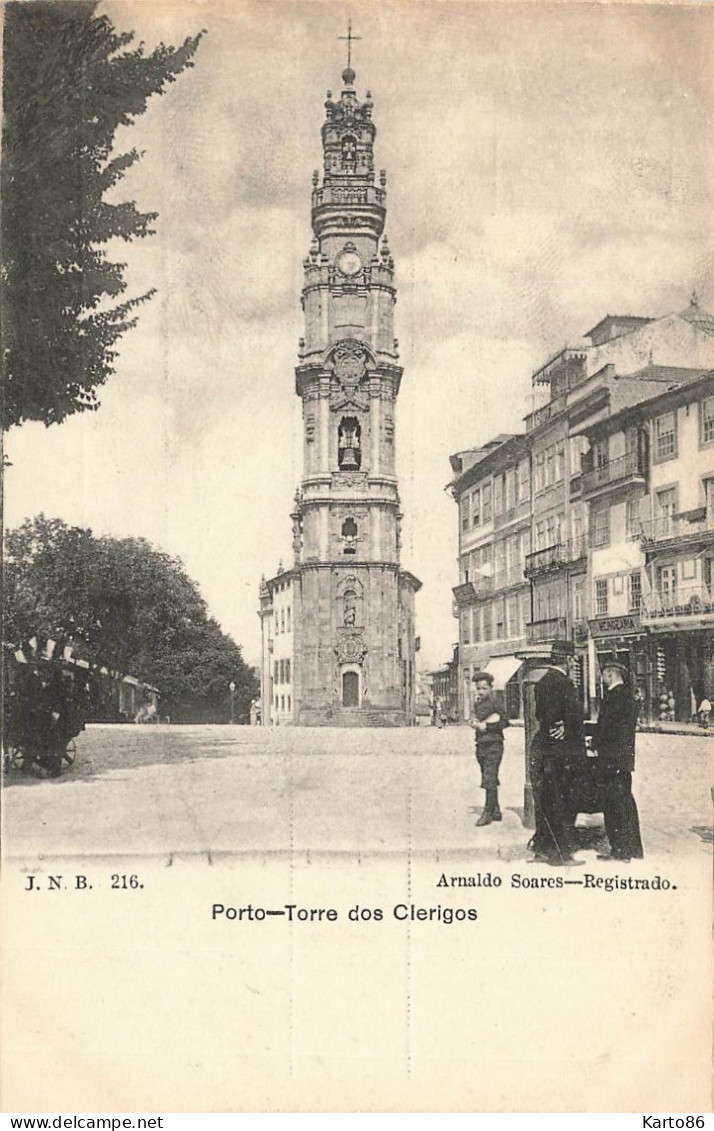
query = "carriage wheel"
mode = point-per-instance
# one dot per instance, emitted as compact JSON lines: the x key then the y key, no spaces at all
{"x":17,"y":757}
{"x":70,"y":753}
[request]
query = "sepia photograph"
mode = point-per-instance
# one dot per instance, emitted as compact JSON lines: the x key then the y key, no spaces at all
{"x":358,"y":555}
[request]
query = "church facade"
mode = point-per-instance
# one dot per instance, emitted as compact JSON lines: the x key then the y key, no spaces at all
{"x":338,"y":641}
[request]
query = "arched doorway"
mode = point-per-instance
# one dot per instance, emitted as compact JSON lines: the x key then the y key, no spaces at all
{"x":350,"y":689}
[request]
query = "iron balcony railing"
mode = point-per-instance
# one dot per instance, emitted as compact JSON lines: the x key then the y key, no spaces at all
{"x":685,"y":601}
{"x":547,"y":412}
{"x":614,"y":471}
{"x":469,"y":591}
{"x":553,"y":557}
{"x":673,"y":526}
{"x":541,"y":631}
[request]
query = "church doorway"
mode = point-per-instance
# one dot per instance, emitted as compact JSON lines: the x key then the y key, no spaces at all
{"x":350,"y":689}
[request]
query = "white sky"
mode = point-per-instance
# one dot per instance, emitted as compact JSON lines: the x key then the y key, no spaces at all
{"x":546,"y":165}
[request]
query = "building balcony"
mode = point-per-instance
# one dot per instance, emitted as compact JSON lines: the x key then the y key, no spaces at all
{"x":690,"y":528}
{"x":555,"y":557}
{"x":689,"y":603}
{"x":470,"y":591}
{"x":548,"y":412}
{"x":618,"y":472}
{"x":544,"y":631}
{"x":348,"y":194}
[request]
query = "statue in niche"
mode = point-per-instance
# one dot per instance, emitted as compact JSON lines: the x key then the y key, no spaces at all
{"x":348,"y":444}
{"x":349,"y":602}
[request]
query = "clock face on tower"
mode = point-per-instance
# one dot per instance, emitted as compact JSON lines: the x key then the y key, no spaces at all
{"x":349,"y":263}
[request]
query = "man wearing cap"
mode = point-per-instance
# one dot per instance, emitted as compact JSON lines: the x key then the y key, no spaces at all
{"x":557,"y":744}
{"x":614,"y":740}
{"x":488,"y":722}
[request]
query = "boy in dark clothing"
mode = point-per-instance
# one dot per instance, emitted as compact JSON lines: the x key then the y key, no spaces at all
{"x":488,"y":722}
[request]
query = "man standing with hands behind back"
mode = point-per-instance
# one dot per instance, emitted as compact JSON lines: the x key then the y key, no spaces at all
{"x":556,"y":747}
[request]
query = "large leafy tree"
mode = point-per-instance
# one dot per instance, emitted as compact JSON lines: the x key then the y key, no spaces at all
{"x":69,"y":82}
{"x":128,"y":606}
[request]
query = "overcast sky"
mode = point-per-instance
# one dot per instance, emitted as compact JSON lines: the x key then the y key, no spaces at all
{"x":546,"y":165}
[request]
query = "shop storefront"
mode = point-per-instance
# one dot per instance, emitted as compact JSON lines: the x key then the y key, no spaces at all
{"x":682,"y":671}
{"x":625,"y":639}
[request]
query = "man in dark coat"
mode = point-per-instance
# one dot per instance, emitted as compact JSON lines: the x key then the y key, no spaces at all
{"x":488,"y":722}
{"x":614,"y":740}
{"x":556,"y":747}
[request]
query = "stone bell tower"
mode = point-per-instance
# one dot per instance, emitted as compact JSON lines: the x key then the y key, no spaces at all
{"x":352,"y":617}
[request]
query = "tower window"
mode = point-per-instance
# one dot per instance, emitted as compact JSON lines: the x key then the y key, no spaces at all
{"x":349,"y":533}
{"x":349,"y":153}
{"x":349,"y":453}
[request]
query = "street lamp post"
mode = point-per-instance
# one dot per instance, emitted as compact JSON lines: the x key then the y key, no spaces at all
{"x":232,"y":689}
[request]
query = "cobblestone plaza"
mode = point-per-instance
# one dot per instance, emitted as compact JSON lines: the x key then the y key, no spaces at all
{"x":221,"y":789}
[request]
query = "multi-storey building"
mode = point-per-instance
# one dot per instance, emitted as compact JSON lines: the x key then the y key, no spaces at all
{"x":444,"y":685}
{"x":338,"y":627}
{"x":649,"y":479}
{"x":493,"y":491}
{"x":277,"y":668}
{"x":622,"y":361}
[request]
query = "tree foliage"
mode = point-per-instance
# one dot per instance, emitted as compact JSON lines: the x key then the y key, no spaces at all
{"x":128,"y":606}
{"x":70,"y":81}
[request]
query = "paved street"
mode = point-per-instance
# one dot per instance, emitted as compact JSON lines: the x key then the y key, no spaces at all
{"x":375,"y":1014}
{"x":176,"y":790}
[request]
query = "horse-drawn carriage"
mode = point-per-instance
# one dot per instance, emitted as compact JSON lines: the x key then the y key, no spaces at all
{"x":45,"y":706}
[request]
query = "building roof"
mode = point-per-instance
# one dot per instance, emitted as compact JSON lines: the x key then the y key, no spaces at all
{"x":643,"y":399}
{"x":647,"y":383}
{"x":698,"y":317}
{"x":631,"y":321}
{"x":612,"y":328}
{"x":668,"y":374}
{"x":467,"y":457}
{"x":468,"y":472}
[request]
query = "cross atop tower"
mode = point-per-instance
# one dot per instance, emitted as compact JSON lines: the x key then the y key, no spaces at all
{"x":349,"y":39}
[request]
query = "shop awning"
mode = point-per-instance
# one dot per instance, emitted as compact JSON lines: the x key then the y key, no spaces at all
{"x":502,"y":668}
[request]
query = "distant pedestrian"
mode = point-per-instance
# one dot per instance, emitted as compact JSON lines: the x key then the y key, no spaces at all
{"x":705,"y":710}
{"x":614,"y":740}
{"x":488,"y":721}
{"x":439,"y":713}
